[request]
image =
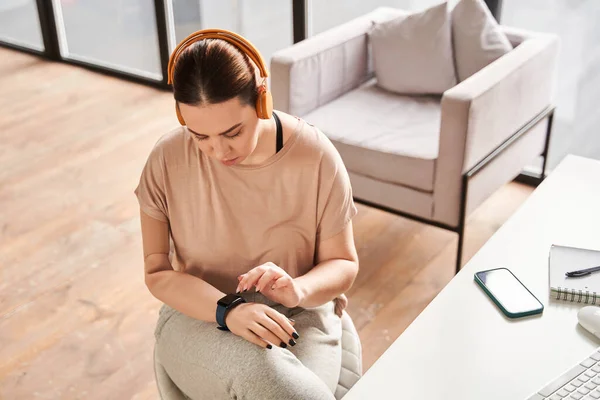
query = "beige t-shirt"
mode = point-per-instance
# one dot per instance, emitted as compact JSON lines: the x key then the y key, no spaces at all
{"x":224,"y":221}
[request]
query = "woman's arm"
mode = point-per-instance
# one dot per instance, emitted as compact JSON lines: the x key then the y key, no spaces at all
{"x":335,"y":272}
{"x":185,"y":293}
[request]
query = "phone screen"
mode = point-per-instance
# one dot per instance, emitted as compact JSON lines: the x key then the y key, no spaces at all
{"x":507,"y":290}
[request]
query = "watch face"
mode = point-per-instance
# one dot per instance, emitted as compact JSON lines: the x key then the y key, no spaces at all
{"x":227,"y":300}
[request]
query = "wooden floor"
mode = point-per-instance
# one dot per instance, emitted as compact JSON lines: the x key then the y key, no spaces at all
{"x":76,"y":320}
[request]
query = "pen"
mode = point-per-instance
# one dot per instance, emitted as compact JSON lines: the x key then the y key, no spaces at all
{"x":582,"y":272}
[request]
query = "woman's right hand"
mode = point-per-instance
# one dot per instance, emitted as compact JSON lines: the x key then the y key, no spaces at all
{"x":261,"y":325}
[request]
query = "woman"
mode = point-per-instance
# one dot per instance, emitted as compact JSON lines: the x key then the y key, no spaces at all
{"x":258,"y":206}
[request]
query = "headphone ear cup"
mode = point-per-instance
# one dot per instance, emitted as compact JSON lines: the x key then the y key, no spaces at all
{"x":264,"y":104}
{"x":179,"y":116}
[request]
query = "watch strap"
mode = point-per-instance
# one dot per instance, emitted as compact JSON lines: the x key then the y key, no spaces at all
{"x":222,"y":312}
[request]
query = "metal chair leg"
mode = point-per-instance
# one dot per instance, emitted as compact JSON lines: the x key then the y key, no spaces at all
{"x":460,"y":229}
{"x":461,"y":236}
{"x":547,"y":145}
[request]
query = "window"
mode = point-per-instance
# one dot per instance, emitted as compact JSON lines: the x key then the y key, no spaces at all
{"x":19,"y":24}
{"x":117,"y":34}
{"x":577,"y":84}
{"x":265,"y":23}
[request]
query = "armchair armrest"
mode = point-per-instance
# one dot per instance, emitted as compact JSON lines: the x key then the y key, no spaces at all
{"x":484,"y":110}
{"x":319,"y":69}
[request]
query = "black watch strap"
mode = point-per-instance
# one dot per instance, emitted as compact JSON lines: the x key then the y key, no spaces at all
{"x":224,"y":305}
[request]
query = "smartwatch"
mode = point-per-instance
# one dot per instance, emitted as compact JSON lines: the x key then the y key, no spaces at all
{"x":224,"y":305}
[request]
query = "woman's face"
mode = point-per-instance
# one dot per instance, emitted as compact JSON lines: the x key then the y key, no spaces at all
{"x":226,"y":131}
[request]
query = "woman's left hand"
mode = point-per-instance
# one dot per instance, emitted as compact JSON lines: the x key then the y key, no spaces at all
{"x":273,"y":282}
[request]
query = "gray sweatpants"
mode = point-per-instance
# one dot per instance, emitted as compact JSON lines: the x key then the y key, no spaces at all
{"x":207,"y":363}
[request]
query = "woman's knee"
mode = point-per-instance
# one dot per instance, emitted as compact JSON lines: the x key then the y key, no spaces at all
{"x":280,"y":375}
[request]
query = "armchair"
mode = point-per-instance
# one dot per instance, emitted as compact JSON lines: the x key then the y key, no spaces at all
{"x":433,"y":159}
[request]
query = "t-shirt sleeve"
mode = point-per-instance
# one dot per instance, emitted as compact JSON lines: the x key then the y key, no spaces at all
{"x":150,"y":191}
{"x":335,"y":203}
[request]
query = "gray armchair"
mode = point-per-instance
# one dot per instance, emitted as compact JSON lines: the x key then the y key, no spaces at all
{"x":430,"y":158}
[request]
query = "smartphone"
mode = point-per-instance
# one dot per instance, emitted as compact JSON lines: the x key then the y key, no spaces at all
{"x":509,"y":294}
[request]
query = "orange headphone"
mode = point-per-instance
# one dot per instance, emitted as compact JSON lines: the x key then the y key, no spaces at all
{"x":264,"y":102}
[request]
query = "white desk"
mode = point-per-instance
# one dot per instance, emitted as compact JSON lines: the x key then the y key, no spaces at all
{"x":462,"y":347}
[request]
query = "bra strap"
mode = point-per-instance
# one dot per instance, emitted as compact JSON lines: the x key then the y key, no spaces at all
{"x":279,"y":133}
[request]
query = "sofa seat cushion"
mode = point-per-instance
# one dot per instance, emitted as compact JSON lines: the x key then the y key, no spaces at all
{"x":383,"y":135}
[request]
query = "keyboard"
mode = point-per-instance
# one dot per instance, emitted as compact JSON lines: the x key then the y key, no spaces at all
{"x":582,"y":382}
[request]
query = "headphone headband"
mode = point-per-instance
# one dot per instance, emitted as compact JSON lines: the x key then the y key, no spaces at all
{"x":231,"y":37}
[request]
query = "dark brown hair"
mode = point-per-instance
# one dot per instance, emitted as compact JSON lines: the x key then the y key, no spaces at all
{"x":212,"y":71}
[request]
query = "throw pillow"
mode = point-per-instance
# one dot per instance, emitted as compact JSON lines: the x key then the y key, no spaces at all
{"x":412,"y":54}
{"x":477,"y":37}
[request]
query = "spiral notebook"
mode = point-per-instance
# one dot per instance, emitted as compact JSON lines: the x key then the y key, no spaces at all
{"x":581,"y":290}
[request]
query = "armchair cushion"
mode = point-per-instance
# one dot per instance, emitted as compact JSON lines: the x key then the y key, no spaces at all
{"x":383,"y":135}
{"x":477,"y":38}
{"x":412,"y":53}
